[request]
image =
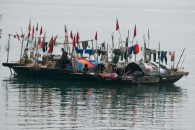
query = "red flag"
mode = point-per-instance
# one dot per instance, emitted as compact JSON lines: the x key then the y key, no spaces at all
{"x":77,"y":38}
{"x":54,"y":40}
{"x":50,"y":49}
{"x":173,"y":56}
{"x":136,"y":48}
{"x":96,"y":36}
{"x":74,"y":42}
{"x":41,"y":31}
{"x":135,"y":33}
{"x":33,"y":33}
{"x":28,"y":34}
{"x":71,"y":36}
{"x":117,"y":25}
{"x":51,"y":45}
{"x":22,"y":35}
{"x":18,"y":36}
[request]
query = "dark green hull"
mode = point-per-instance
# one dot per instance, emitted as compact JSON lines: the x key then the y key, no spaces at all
{"x":69,"y":75}
{"x":62,"y":74}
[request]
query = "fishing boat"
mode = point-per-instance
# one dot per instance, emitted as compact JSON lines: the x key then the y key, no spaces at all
{"x":133,"y":73}
{"x":142,"y":71}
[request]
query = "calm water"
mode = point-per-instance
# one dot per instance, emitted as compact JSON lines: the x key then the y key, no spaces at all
{"x":41,"y":104}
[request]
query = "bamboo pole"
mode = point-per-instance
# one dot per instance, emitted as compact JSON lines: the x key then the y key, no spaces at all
{"x":159,"y":59}
{"x":148,"y":38}
{"x":107,"y":53}
{"x":183,"y":61}
{"x":144,"y":48}
{"x":97,"y":57}
{"x":180,"y":57}
{"x":112,"y":36}
{"x":66,"y":36}
{"x":135,"y":52}
{"x":8,"y":47}
{"x":174,"y":60}
{"x":36,"y":47}
{"x":21,"y":49}
{"x":127,"y":48}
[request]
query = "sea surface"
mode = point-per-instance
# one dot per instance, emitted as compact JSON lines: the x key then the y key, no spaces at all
{"x":31,"y":103}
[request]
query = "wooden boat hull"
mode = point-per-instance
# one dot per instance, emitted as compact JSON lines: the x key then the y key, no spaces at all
{"x":10,"y":65}
{"x":170,"y":80}
{"x":64,"y":74}
{"x":57,"y":73}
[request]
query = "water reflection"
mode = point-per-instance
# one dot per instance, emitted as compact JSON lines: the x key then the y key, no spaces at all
{"x":59,"y":104}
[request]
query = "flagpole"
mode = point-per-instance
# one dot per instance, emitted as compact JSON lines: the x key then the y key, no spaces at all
{"x":135,"y":52}
{"x":36,"y":47}
{"x":112,"y":44}
{"x":35,"y":37}
{"x":107,"y":52}
{"x":183,"y":61}
{"x":65,"y":36}
{"x":148,"y":43}
{"x":134,"y":35}
{"x":96,"y":58}
{"x":127,"y":47}
{"x":36,"y":55}
{"x":120,"y":40}
{"x":21,"y":49}
{"x":174,"y":60}
{"x":73,"y":52}
{"x":144,"y":48}
{"x":65,"y":42}
{"x":29,"y":29}
{"x":8,"y":47}
{"x":148,"y":38}
{"x":97,"y":55}
{"x":180,"y":58}
{"x":22,"y":42}
{"x":118,"y":28}
{"x":96,"y":44}
{"x":32,"y":37}
{"x":92,"y":43}
{"x":159,"y":59}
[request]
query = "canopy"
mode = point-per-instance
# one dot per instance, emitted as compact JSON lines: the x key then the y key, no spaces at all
{"x":82,"y":62}
{"x":146,"y":68}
